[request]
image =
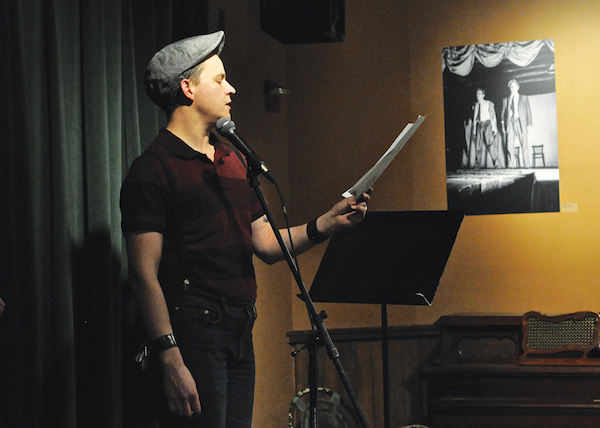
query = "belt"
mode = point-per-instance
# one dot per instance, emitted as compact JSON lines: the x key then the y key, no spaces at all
{"x":203,"y":292}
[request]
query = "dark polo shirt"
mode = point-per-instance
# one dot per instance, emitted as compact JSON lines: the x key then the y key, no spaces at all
{"x":204,"y":211}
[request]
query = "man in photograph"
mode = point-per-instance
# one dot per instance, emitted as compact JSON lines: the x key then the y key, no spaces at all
{"x":485,"y":129}
{"x":516,"y":123}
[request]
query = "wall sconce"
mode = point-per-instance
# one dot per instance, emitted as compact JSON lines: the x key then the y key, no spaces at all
{"x":273,"y":92}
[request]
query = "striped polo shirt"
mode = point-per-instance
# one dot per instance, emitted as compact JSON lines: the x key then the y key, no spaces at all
{"x":204,"y":211}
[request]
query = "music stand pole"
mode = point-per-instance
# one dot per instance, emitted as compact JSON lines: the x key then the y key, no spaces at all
{"x":316,"y":318}
{"x":385,"y":353}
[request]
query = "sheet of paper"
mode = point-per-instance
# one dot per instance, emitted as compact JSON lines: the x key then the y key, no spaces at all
{"x":367,"y":180}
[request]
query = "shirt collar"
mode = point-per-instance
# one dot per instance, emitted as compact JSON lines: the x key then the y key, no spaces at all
{"x":179,"y":148}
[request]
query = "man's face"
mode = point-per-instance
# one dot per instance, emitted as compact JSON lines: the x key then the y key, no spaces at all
{"x":514,"y":88}
{"x":212,"y":93}
{"x":480,"y":95}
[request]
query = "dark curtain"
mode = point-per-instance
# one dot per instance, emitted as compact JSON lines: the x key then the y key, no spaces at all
{"x":74,"y":115}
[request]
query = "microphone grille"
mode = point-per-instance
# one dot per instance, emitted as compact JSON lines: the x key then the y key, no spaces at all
{"x":225,"y":126}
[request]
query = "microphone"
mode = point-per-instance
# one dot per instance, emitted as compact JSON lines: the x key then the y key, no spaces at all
{"x":226,"y":127}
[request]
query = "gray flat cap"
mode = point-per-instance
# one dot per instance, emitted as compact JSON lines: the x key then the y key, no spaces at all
{"x":164,"y":72}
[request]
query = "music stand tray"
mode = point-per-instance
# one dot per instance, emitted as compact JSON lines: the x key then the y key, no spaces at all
{"x":388,"y":258}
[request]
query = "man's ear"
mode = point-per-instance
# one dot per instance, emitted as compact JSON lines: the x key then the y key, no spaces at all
{"x":186,"y":89}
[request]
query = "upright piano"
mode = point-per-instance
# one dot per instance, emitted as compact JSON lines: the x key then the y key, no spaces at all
{"x":514,"y":371}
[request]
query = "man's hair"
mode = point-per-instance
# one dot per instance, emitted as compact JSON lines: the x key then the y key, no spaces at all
{"x":513,"y":80}
{"x":193,"y":75}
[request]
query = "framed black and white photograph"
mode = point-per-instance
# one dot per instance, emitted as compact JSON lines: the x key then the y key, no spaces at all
{"x":501,"y":127}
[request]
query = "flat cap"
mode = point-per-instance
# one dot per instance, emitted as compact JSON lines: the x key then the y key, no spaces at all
{"x":165,"y":69}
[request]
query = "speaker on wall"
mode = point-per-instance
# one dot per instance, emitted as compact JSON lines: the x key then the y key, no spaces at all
{"x":303,"y":21}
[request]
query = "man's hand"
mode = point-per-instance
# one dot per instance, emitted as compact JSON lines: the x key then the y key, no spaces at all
{"x":180,"y":387}
{"x":346,"y":213}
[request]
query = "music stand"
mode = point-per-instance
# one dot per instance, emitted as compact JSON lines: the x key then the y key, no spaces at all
{"x":388,"y":258}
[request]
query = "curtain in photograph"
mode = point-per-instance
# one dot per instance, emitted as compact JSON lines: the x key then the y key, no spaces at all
{"x":460,"y":59}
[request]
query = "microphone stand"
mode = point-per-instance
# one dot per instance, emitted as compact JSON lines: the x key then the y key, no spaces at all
{"x":316,"y":318}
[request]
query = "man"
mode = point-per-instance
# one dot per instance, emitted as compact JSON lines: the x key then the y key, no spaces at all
{"x":485,"y":128}
{"x":192,"y":224}
{"x":516,"y":123}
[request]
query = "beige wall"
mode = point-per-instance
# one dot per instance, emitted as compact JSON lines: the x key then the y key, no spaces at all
{"x":348,"y":102}
{"x":500,"y":263}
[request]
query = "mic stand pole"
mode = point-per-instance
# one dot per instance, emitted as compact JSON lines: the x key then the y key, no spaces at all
{"x":317,"y":319}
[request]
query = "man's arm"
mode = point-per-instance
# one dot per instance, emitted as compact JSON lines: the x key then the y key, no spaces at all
{"x":144,"y":251}
{"x":493,"y":118}
{"x":528,"y":112}
{"x":503,"y":114}
{"x":345,"y":213}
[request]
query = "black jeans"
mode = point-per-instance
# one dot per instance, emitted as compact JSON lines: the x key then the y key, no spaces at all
{"x":215,"y":338}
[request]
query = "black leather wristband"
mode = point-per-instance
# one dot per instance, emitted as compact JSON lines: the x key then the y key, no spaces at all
{"x":163,"y":343}
{"x":313,"y":233}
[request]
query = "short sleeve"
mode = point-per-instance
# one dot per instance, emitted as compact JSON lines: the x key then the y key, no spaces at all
{"x":144,"y":197}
